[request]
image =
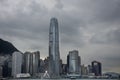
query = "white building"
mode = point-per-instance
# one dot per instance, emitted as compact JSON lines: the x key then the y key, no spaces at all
{"x":23,"y":75}
{"x":16,"y":63}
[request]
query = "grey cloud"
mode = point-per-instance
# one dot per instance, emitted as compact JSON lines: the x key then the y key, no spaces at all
{"x":109,"y":37}
{"x":96,"y":11}
{"x":70,"y":32}
{"x":111,"y":62}
{"x":109,"y":11}
{"x":59,"y":4}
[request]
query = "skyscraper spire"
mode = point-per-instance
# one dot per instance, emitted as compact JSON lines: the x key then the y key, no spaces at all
{"x":54,"y":64}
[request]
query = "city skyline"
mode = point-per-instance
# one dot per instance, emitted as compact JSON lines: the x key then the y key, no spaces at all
{"x":91,"y":27}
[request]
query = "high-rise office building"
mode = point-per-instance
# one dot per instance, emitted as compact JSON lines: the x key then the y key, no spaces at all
{"x":96,"y":68}
{"x":1,"y":71}
{"x":42,"y":66}
{"x":90,"y":70}
{"x":79,"y":64}
{"x":68,"y":63}
{"x":74,"y":63}
{"x":54,"y":65}
{"x":7,"y":66}
{"x":27,"y":61}
{"x":16,"y":63}
{"x":84,"y":70}
{"x":35,"y":62}
{"x":46,"y":64}
{"x":31,"y":62}
{"x":64,"y":69}
{"x":61,"y":66}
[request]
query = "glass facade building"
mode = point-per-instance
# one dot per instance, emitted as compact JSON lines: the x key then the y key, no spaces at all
{"x":54,"y":64}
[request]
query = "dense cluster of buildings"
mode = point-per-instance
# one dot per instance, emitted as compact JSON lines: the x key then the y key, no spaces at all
{"x":29,"y":64}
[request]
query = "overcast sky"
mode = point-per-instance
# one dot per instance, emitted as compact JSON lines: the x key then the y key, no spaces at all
{"x":90,"y":26}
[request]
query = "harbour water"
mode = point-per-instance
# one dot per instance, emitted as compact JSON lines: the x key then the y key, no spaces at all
{"x":63,"y":79}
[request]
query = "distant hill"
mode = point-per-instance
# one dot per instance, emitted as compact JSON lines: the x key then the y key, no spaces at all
{"x":6,"y":47}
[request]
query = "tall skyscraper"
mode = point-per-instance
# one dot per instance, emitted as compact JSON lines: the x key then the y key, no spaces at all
{"x":16,"y":63}
{"x":96,"y":68}
{"x":74,"y":62}
{"x":54,"y":65}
